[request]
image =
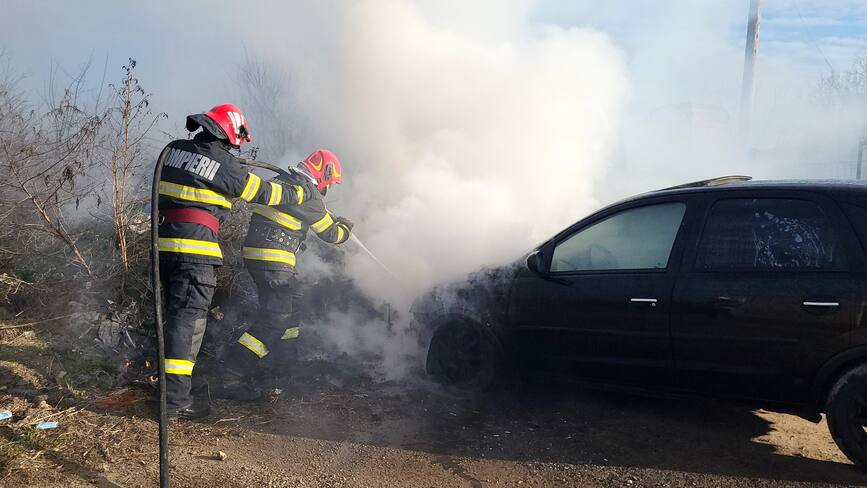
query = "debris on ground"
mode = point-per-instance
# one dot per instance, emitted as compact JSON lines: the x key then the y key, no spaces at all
{"x":217,"y":313}
{"x":121,"y":400}
{"x":44,"y":425}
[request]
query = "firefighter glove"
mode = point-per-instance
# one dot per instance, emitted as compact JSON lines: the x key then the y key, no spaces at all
{"x":345,"y":222}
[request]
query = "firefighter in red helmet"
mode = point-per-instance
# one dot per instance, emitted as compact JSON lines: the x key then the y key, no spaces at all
{"x":200,"y":178}
{"x":273,"y":242}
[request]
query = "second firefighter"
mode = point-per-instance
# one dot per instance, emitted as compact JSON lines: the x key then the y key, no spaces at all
{"x":273,"y":243}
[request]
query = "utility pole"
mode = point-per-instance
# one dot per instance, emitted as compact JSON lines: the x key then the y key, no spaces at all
{"x":752,"y":47}
{"x":860,"y":158}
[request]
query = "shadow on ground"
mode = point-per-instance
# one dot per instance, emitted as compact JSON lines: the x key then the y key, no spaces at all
{"x":565,"y":424}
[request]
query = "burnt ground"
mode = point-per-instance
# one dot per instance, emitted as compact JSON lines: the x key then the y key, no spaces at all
{"x":333,"y":426}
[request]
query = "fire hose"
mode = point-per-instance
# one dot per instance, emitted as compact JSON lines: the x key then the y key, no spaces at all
{"x":158,"y":318}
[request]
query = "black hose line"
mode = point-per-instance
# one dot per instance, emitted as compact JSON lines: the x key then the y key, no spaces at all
{"x":158,"y":304}
{"x":264,"y":165}
{"x":158,"y":318}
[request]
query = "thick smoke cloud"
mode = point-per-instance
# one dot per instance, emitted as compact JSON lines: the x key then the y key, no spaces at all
{"x":465,"y":139}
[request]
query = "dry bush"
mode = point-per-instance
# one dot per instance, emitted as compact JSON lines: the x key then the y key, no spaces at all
{"x":125,"y":160}
{"x":44,"y":155}
{"x":74,"y":194}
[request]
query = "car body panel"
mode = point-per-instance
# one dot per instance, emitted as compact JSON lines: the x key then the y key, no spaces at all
{"x":745,"y":333}
{"x":599,"y":324}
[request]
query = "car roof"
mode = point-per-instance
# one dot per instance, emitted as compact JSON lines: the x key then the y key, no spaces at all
{"x":734,"y":183}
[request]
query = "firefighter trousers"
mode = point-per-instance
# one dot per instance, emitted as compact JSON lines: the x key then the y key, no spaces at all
{"x":275,"y":329}
{"x":189,"y":289}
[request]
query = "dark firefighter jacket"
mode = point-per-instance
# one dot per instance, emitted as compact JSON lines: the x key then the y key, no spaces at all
{"x":276,"y":233}
{"x":202,"y":174}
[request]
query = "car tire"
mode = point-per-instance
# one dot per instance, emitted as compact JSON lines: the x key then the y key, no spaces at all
{"x":846,"y":411}
{"x":465,"y":356}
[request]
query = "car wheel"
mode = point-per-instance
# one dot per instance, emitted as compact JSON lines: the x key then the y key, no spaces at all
{"x":463,"y":355}
{"x":847,"y":414}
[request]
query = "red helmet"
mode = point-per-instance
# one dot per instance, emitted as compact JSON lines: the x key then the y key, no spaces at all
{"x":230,"y":123}
{"x":324,"y":167}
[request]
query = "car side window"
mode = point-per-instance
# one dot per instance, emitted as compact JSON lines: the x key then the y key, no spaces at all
{"x":767,"y":234}
{"x":858,"y":216}
{"x":637,"y":238}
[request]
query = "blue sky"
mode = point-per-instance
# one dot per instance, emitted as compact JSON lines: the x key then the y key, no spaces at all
{"x":799,"y":39}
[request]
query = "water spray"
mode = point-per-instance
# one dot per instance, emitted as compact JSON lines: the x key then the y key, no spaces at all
{"x":382,"y":265}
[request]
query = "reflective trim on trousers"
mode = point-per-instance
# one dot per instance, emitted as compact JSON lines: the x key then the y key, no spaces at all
{"x":291,"y":333}
{"x":253,"y":344}
{"x":179,"y":366}
{"x":189,"y":246}
{"x":193,"y":194}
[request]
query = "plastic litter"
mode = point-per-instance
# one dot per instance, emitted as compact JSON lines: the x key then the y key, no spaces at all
{"x":46,"y":425}
{"x":5,"y":414}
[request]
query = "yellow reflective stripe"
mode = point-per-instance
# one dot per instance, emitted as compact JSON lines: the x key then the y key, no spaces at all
{"x":281,"y":218}
{"x":291,"y":333}
{"x":274,"y":255}
{"x":276,"y":194}
{"x":322,"y":224}
{"x":340,"y":233}
{"x":300,"y":191}
{"x":251,"y":189}
{"x":191,"y":194}
{"x":179,"y":366}
{"x":189,"y":246}
{"x":253,"y":344}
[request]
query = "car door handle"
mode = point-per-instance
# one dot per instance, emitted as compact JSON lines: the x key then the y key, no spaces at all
{"x":651,"y":301}
{"x":821,"y":304}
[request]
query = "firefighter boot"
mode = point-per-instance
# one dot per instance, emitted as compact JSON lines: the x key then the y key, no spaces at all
{"x":191,"y":412}
{"x":238,"y":379}
{"x":236,"y":385}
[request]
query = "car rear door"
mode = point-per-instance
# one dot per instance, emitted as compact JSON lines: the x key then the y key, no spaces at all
{"x":765,"y":281}
{"x":602,"y":310}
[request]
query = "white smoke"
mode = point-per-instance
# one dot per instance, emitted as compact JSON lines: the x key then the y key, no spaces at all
{"x":466,"y":138}
{"x":470,"y":134}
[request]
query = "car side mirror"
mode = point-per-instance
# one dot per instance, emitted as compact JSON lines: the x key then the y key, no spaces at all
{"x":536,"y":263}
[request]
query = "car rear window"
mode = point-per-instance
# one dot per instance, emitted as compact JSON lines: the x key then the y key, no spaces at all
{"x":768,"y":234}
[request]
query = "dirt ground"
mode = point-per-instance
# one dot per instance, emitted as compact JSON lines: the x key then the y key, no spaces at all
{"x":332,"y":426}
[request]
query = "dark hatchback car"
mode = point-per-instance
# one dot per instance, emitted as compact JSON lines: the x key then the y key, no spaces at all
{"x":732,"y":287}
